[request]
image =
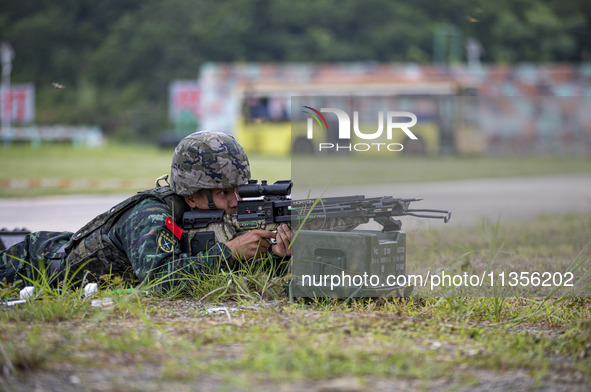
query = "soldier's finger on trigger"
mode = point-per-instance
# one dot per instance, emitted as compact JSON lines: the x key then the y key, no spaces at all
{"x":270,"y":236}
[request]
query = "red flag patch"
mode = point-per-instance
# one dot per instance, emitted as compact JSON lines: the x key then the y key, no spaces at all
{"x":177,"y":231}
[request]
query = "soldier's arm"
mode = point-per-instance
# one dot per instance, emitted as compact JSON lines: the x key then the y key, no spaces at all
{"x":249,"y":244}
{"x":258,"y":242}
{"x":155,"y":252}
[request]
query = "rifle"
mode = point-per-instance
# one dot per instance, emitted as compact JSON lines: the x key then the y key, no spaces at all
{"x":318,"y":253}
{"x":275,"y":206}
{"x":265,"y":206}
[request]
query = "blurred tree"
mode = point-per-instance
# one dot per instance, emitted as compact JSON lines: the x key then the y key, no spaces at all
{"x":116,"y":57}
{"x":530,"y":30}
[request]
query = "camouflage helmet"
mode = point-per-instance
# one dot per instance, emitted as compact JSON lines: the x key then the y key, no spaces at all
{"x":208,"y":160}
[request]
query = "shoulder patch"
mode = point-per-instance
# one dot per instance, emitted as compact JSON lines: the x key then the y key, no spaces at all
{"x":177,"y":231}
{"x":166,"y":241}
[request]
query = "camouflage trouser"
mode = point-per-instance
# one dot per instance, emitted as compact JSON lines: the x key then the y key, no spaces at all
{"x":23,"y":259}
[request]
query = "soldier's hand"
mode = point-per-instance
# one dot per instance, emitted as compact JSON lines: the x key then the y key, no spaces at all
{"x":283,"y":238}
{"x":254,"y":243}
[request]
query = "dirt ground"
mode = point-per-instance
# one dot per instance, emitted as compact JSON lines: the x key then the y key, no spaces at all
{"x":130,"y":372}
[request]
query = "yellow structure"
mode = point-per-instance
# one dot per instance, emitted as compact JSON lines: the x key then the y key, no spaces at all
{"x":255,"y":101}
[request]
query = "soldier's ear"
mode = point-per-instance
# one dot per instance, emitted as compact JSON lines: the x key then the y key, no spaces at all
{"x":192,"y":200}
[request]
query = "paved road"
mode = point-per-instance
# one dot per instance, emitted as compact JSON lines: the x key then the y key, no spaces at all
{"x":469,"y":201}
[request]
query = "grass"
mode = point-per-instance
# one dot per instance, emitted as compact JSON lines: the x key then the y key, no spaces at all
{"x":126,"y":169}
{"x":112,"y":168}
{"x":554,"y":244}
{"x":354,"y":171}
{"x":111,"y":161}
{"x":170,"y":341}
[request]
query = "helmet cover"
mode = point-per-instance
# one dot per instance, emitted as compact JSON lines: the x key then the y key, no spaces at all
{"x":208,"y":160}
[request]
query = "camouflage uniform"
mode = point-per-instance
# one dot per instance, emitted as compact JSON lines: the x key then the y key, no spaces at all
{"x":138,"y":244}
{"x":23,"y":257}
{"x":140,"y":236}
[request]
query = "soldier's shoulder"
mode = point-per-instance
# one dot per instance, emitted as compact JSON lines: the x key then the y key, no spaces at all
{"x":153,"y":205}
{"x":150,"y":209}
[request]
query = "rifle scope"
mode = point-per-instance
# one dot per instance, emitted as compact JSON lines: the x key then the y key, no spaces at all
{"x":254,"y":189}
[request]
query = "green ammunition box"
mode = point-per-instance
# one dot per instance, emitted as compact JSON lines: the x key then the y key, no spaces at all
{"x":359,"y":263}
